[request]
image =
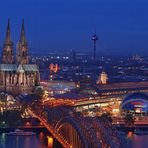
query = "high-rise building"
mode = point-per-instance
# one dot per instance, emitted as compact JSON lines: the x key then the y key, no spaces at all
{"x":18,"y":76}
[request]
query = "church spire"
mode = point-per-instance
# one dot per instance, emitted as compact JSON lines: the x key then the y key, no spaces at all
{"x":23,"y":37}
{"x":22,"y":52}
{"x":7,"y":54}
{"x":8,"y":35}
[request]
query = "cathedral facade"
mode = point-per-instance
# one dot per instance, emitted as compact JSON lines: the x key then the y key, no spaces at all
{"x":17,"y":76}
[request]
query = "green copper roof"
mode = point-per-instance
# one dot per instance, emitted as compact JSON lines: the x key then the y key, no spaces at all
{"x":19,"y":68}
{"x":30,"y":67}
{"x":8,"y":67}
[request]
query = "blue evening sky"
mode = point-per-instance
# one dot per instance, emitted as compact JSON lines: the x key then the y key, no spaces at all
{"x":122,"y":25}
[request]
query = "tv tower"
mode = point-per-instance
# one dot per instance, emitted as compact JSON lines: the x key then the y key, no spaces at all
{"x":94,"y":39}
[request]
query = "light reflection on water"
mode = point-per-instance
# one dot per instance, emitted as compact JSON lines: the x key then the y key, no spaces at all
{"x":132,"y":141}
{"x":20,"y":142}
{"x":136,"y":141}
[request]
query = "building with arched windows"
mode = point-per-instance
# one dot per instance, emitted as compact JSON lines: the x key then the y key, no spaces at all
{"x":17,"y":76}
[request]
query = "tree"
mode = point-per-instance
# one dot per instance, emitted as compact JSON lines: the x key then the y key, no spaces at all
{"x":3,"y":98}
{"x":39,"y":91}
{"x":11,"y":118}
{"x":129,"y":119}
{"x":107,"y":116}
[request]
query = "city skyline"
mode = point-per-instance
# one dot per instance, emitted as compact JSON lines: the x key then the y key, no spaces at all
{"x":73,"y":73}
{"x":55,"y":25}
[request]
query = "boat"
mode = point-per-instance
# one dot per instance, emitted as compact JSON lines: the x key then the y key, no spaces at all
{"x":19,"y":132}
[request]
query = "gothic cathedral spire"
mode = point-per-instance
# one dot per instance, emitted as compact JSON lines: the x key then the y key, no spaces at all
{"x":7,"y":54}
{"x":22,"y":51}
{"x":23,"y":37}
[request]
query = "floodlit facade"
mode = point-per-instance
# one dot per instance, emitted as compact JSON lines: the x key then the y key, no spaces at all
{"x":17,"y":76}
{"x":103,"y":78}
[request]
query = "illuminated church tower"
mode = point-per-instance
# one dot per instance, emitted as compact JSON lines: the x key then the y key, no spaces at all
{"x":103,"y":78}
{"x":22,"y":49}
{"x":7,"y":53}
{"x":17,"y":76}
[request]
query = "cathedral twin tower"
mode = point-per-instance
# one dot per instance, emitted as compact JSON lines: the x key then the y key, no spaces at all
{"x":17,"y":76}
{"x":22,"y":48}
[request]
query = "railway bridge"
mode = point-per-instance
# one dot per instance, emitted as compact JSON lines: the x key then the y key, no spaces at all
{"x":73,"y":130}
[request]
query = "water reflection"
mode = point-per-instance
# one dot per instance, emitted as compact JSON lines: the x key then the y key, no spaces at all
{"x":41,"y":136}
{"x":21,"y":141}
{"x":2,"y":140}
{"x":130,"y":134}
{"x":136,"y":141}
{"x":132,"y":141}
{"x":50,"y":142}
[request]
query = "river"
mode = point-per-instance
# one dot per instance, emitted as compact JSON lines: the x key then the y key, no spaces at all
{"x":21,"y":141}
{"x":39,"y":141}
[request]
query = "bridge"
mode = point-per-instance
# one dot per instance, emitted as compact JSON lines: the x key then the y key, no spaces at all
{"x":73,"y":130}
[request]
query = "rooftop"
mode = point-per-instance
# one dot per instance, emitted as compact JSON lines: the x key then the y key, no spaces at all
{"x":124,"y":85}
{"x":19,"y":68}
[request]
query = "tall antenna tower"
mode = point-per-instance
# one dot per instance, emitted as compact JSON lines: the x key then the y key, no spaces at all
{"x":94,"y":39}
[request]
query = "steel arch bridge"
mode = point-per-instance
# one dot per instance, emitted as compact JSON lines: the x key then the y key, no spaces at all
{"x":73,"y":130}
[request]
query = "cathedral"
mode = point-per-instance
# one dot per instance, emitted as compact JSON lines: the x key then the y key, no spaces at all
{"x":17,"y":76}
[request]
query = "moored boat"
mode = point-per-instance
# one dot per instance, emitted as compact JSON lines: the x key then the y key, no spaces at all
{"x":19,"y":132}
